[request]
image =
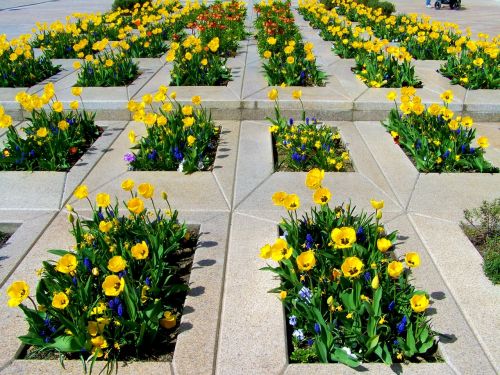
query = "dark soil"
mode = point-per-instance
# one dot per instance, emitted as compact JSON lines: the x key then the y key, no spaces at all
{"x":4,"y":237}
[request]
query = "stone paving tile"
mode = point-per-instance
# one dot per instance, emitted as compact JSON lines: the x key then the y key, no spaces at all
{"x":22,"y":190}
{"x":251,"y":335}
{"x":26,"y":227}
{"x":479,"y":15}
{"x":256,"y":165}
{"x":476,"y":296}
{"x":445,"y":196}
{"x":198,"y":327}
{"x":395,"y":166}
{"x":44,"y":367}
{"x":198,"y":191}
{"x":374,"y":368}
{"x":483,"y":105}
{"x":19,"y":16}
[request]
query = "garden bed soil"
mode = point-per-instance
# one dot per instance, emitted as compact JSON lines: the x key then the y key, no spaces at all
{"x":73,"y":158}
{"x":162,"y":350}
{"x":211,"y":154}
{"x":279,"y":158}
{"x":4,"y":237}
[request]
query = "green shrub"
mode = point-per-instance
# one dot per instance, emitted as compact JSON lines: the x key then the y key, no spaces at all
{"x":482,"y":226}
{"x":491,"y":255}
{"x":126,"y":4}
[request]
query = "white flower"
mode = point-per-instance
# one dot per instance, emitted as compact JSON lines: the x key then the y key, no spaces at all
{"x":181,"y":166}
{"x":349,"y":353}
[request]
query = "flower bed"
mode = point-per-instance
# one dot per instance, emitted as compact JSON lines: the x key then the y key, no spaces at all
{"x":200,"y":59}
{"x":307,"y":144}
{"x":289,"y":61}
{"x":178,"y":137}
{"x":19,"y":67}
{"x":470,"y":64}
{"x":378,"y":64}
{"x":473,"y":65}
{"x":333,"y":28}
{"x":74,"y":39}
{"x":347,"y":298}
{"x":224,"y":21}
{"x":482,"y":227}
{"x":120,"y":294}
{"x":108,"y":68}
{"x":436,"y":139}
{"x":53,"y":140}
{"x":390,"y":69}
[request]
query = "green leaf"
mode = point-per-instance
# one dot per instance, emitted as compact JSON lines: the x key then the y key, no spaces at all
{"x":59,"y":252}
{"x":321,"y":350}
{"x":131,"y":301}
{"x":341,"y":356}
{"x":410,"y":341}
{"x":65,"y":344}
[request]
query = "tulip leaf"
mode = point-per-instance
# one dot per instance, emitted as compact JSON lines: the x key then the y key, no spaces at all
{"x":341,"y":356}
{"x":131,"y":301}
{"x":376,"y":301}
{"x":322,"y":351}
{"x":59,"y":252}
{"x":65,"y":344}
{"x":410,"y":340}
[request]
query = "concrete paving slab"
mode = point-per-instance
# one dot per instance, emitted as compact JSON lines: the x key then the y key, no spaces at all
{"x":26,"y":227}
{"x":259,"y":202}
{"x":20,"y":190}
{"x":197,"y":191}
{"x":393,"y":163}
{"x":376,"y":368}
{"x":483,"y":105}
{"x":252,"y":332}
{"x":255,"y":163}
{"x":451,"y":250}
{"x":445,"y":196}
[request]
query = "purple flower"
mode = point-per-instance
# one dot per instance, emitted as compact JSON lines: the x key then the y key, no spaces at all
{"x":305,"y":294}
{"x":367,"y":276}
{"x":391,"y":306}
{"x":292,"y":320}
{"x":129,"y":157}
{"x":317,"y":328}
{"x":148,"y":281}
{"x":120,"y":310}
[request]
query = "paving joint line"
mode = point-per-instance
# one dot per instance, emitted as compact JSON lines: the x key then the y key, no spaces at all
{"x":463,"y":313}
{"x":35,"y":240}
{"x":380,"y":168}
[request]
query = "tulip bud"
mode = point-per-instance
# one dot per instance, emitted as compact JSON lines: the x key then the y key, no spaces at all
{"x":164,"y":195}
{"x":95,"y":271}
{"x":379,"y":214}
{"x":69,"y":208}
{"x":71,"y":218}
{"x":375,"y":282}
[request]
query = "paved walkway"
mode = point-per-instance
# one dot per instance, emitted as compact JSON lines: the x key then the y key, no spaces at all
{"x":480,"y":15}
{"x":19,"y":16}
{"x":232,"y":325}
